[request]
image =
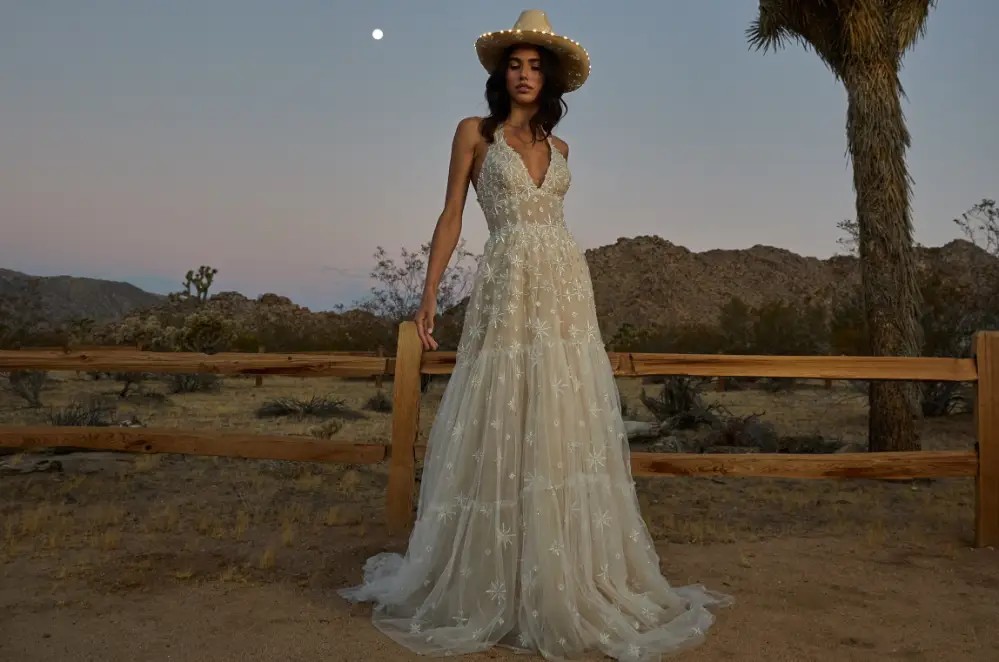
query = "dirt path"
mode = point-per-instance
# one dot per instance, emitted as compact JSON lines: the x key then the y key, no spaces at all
{"x":819,"y":599}
{"x":150,"y":558}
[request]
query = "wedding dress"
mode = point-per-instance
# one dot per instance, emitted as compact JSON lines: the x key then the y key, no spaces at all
{"x":528,"y":532}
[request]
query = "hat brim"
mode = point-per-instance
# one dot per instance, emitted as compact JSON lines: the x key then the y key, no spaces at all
{"x":573,"y":58}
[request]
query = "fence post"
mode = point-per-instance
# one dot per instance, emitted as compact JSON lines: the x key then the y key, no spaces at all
{"x":987,"y":433}
{"x":405,"y":425}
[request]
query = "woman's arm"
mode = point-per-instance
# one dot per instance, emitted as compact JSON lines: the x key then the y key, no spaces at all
{"x":448,"y":229}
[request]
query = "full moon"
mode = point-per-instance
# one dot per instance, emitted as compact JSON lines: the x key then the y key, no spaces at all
{"x":377,"y":34}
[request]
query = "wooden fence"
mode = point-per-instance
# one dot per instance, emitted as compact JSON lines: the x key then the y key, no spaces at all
{"x":411,"y":362}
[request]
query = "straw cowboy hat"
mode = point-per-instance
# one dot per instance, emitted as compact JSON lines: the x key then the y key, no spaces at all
{"x":532,"y":27}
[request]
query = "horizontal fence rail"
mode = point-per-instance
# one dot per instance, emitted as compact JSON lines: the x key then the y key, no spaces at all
{"x":411,"y":363}
{"x":358,"y":364}
{"x":632,"y":364}
{"x":186,"y":442}
{"x":982,"y":463}
{"x":883,"y":466}
{"x":223,"y":363}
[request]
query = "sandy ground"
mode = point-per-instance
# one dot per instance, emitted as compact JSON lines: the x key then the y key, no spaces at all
{"x":117,"y":557}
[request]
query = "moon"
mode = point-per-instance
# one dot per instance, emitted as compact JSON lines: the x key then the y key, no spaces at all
{"x":377,"y":34}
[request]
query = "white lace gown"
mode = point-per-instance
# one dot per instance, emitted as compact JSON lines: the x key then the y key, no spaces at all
{"x":528,"y":532}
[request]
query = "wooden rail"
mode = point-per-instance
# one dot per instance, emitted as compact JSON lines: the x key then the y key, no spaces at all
{"x":411,"y":362}
{"x":983,"y":463}
{"x":225,"y":363}
{"x":187,"y":442}
{"x":800,"y":367}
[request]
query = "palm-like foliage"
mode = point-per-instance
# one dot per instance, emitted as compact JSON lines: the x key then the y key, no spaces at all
{"x":863,"y":42}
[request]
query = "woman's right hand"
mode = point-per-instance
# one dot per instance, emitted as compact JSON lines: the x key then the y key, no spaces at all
{"x":424,"y":319}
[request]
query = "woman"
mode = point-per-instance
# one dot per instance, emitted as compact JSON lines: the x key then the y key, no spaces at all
{"x":528,"y":532}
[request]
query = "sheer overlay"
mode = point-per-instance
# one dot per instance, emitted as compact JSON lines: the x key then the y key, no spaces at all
{"x":528,"y":531}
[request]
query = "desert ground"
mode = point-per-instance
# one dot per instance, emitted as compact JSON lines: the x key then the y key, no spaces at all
{"x":114,"y":557}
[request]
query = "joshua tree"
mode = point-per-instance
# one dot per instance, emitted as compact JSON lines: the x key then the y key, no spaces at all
{"x":201,"y":280}
{"x":862,"y":42}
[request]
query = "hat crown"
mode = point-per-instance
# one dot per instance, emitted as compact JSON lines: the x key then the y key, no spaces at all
{"x":533,"y":28}
{"x":534,"y":20}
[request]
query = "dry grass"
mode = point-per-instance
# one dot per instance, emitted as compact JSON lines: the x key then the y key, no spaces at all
{"x":114,"y":524}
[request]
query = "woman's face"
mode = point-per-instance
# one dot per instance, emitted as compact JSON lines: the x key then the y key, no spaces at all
{"x":523,"y":75}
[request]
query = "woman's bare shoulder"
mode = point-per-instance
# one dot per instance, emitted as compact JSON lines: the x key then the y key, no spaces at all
{"x":468,"y":129}
{"x":561,"y":145}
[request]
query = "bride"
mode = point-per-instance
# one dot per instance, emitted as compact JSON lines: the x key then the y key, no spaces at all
{"x":528,"y":532}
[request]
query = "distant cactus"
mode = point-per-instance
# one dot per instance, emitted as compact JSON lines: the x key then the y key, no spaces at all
{"x":201,"y":280}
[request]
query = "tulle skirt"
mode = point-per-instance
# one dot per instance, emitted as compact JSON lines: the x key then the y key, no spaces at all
{"x":528,"y":531}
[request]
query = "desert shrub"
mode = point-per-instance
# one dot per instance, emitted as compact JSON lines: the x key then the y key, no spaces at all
{"x":91,"y":412}
{"x":379,"y":402}
{"x":951,"y":315}
{"x":130,"y":380}
{"x":193,"y":383}
{"x":203,"y":330}
{"x":354,"y":330}
{"x":315,"y":407}
{"x":679,"y":404}
{"x":848,"y":327}
{"x":693,"y":339}
{"x":780,"y":328}
{"x":735,"y":327}
{"x":246,"y":341}
{"x":777,"y":384}
{"x":773,"y":328}
{"x":944,"y":399}
{"x":207,"y":331}
{"x":145,"y":332}
{"x":27,"y":385}
{"x":687,"y":339}
{"x":628,"y":337}
{"x":812,"y":443}
{"x":327,"y":429}
{"x":22,"y":318}
{"x":744,"y":432}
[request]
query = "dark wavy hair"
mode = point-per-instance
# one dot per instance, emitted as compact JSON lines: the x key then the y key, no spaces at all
{"x":551,"y":107}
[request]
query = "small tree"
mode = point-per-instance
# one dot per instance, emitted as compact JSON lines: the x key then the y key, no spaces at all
{"x":850,"y":240}
{"x":980,"y":225}
{"x":399,"y":288}
{"x":201,"y":281}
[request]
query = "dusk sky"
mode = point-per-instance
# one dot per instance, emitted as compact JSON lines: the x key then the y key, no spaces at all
{"x":281,"y":144}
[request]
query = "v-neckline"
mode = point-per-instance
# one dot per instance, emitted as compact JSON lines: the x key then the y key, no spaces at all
{"x":523,"y":163}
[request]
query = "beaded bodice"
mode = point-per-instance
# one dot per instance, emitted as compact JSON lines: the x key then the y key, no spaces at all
{"x":508,"y":195}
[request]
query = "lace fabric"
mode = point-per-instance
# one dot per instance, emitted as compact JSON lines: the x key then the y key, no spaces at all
{"x":528,"y":532}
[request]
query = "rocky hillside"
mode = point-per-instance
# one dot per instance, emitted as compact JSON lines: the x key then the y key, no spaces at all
{"x":648,"y":281}
{"x":645,"y":281}
{"x":62,"y":298}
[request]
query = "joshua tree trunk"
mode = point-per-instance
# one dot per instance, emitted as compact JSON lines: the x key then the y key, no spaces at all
{"x":862,"y":42}
{"x":878,"y":138}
